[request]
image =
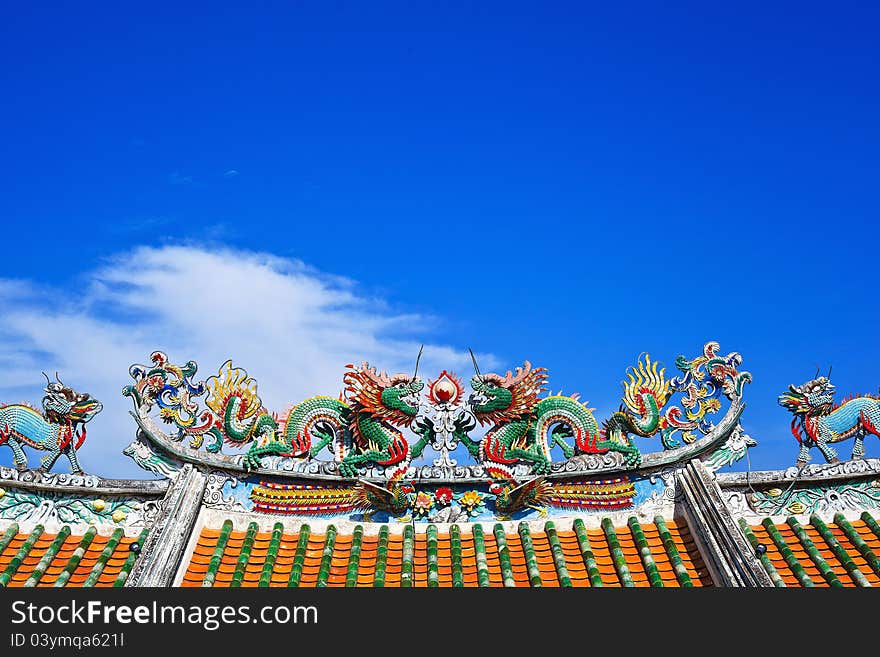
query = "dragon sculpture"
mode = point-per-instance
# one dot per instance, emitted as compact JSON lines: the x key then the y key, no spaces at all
{"x":644,"y":397}
{"x":379,"y":405}
{"x":240,"y":418}
{"x":59,"y":429}
{"x":525,"y":428}
{"x":362,"y":426}
{"x":359,"y":427}
{"x":819,"y":422}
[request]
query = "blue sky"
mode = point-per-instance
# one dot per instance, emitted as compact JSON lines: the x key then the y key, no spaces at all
{"x":570,"y":184}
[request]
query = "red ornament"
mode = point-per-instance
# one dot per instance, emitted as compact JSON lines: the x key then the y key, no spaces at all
{"x":443,"y":495}
{"x":447,"y":389}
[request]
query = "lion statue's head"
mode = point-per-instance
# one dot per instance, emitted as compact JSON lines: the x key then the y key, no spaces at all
{"x":62,"y":403}
{"x":815,"y":397}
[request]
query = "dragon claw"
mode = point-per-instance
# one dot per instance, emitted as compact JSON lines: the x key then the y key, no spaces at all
{"x":541,"y":467}
{"x":347,"y":470}
{"x":251,"y":461}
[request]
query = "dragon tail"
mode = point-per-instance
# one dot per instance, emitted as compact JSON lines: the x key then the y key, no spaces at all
{"x":646,"y":392}
{"x":316,"y":423}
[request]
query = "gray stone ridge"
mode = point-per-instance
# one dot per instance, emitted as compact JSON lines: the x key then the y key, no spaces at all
{"x":824,"y":473}
{"x":85,"y":483}
{"x":848,"y":487}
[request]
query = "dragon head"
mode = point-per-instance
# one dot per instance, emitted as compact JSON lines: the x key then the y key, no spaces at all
{"x":394,"y":398}
{"x":815,"y":397}
{"x":62,"y":403}
{"x":498,"y":399}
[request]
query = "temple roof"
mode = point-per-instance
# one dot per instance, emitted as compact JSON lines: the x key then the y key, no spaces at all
{"x":329,"y":493}
{"x":65,"y":558}
{"x":818,"y":553}
{"x":661,"y":554}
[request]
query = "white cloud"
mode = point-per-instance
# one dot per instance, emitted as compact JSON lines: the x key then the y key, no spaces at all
{"x":292,"y":327}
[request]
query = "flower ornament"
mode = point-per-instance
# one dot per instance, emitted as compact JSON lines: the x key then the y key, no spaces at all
{"x":471,"y":500}
{"x":443,"y":495}
{"x":423,"y":503}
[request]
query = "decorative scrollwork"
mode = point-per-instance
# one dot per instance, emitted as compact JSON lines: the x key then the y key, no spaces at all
{"x":171,"y":388}
{"x":842,"y":469}
{"x":214,"y":497}
{"x":55,"y":479}
{"x":702,"y":382}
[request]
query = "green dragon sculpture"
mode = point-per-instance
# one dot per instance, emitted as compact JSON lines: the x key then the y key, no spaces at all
{"x":644,"y":397}
{"x":65,"y":412}
{"x":379,"y":405}
{"x":239,"y":418}
{"x":360,"y":428}
{"x":525,"y":428}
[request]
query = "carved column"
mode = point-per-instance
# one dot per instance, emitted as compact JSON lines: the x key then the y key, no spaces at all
{"x":163,"y":550}
{"x":727,"y":552}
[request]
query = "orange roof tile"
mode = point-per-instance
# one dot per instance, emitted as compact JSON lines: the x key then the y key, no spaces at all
{"x":823,"y":551}
{"x":337,"y":567}
{"x":103,"y":570}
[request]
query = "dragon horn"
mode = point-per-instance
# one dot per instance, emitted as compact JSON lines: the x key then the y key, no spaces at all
{"x":474,"y":359}
{"x":47,"y":378}
{"x":57,"y":379}
{"x":829,"y":372}
{"x":816,"y":375}
{"x":417,"y":361}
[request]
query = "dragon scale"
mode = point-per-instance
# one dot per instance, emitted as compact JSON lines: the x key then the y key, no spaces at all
{"x":380,"y":444}
{"x":312,"y":418}
{"x":574,"y":416}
